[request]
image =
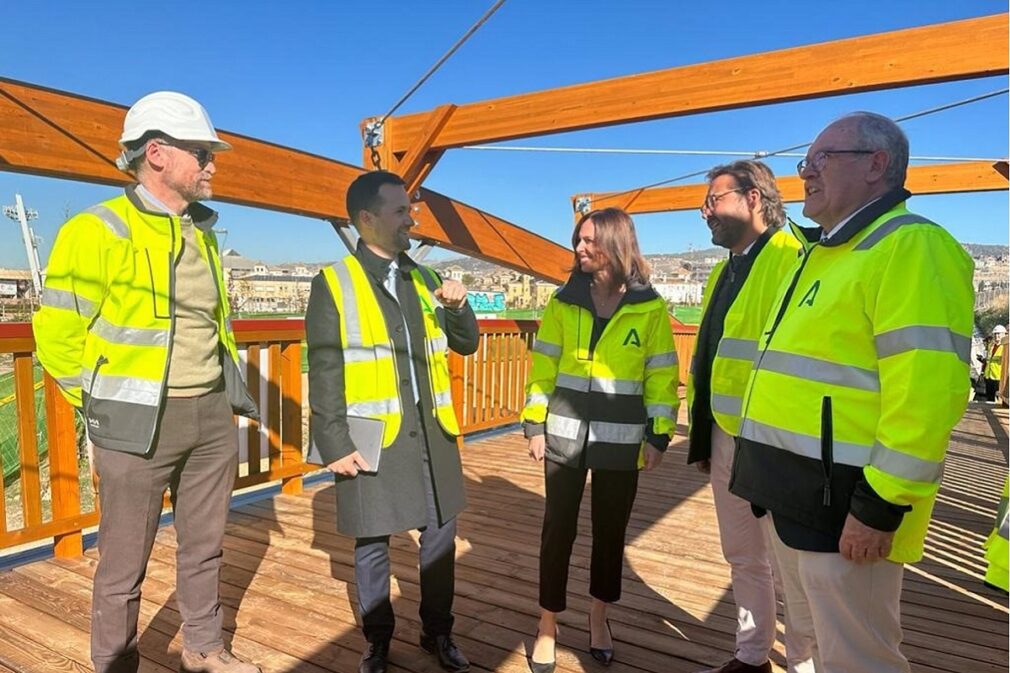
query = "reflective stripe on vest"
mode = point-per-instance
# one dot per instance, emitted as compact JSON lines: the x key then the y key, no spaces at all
{"x":370,"y":378}
{"x":743,"y":326}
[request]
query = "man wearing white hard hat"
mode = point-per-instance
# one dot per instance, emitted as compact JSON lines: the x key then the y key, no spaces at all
{"x":134,"y":327}
{"x":992,"y":366}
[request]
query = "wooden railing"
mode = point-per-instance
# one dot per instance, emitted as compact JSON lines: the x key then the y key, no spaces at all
{"x":56,"y":498}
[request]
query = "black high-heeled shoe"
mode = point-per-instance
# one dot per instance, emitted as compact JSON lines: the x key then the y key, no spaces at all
{"x":604,"y":655}
{"x":544,"y":667}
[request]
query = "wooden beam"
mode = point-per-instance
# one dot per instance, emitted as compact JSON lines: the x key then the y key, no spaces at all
{"x":62,"y":135}
{"x":969,"y":176}
{"x":950,"y":51}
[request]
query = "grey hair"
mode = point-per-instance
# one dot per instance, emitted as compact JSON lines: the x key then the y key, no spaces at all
{"x":877,"y":132}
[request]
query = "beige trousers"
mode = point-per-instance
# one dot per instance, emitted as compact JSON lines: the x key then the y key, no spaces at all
{"x":853,"y":609}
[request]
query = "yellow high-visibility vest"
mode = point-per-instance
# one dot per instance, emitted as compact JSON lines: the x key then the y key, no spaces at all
{"x":994,"y":363}
{"x":862,"y":375}
{"x":997,"y":547}
{"x":602,"y":399}
{"x":745,"y":321}
{"x":104,"y":330}
{"x":370,"y":377}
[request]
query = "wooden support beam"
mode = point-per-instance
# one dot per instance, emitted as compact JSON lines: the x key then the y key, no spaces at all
{"x":416,"y":162}
{"x":969,"y":176}
{"x":943,"y":52}
{"x":419,"y":160}
{"x":61,"y":135}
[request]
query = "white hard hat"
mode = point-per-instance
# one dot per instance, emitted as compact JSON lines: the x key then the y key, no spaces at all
{"x":999,"y":329}
{"x":174,"y":114}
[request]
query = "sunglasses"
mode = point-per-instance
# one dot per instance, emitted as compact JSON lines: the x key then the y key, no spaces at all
{"x":202,"y":155}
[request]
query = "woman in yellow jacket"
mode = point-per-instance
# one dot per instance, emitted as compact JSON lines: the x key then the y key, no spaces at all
{"x":602,"y":396}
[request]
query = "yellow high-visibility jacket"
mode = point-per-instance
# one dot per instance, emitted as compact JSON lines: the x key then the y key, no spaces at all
{"x":860,"y":379}
{"x":738,"y":347}
{"x":997,"y":547}
{"x":994,"y":363}
{"x":104,"y":330}
{"x":597,"y":405}
{"x":370,"y":377}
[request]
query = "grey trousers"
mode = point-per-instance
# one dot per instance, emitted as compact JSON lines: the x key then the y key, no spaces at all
{"x":437,"y":576}
{"x":195,"y":456}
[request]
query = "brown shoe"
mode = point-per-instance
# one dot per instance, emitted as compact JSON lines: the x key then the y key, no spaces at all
{"x":734,"y":665}
{"x":221,"y":661}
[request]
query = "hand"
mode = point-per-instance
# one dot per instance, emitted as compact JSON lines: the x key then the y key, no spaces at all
{"x":349,"y":466}
{"x":653,"y":457}
{"x":538,"y":445}
{"x":861,"y":544}
{"x":704,"y":466}
{"x":452,"y":294}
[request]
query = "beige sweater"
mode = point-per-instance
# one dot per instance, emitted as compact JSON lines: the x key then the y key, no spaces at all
{"x":195,"y":366}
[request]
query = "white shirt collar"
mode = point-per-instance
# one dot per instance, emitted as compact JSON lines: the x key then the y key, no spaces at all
{"x":152,"y":200}
{"x":835,"y":229}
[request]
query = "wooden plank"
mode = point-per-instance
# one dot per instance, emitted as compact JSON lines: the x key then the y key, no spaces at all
{"x":58,"y":527}
{"x":63,"y":472}
{"x":253,"y":427}
{"x":58,"y":134}
{"x":967,"y":176}
{"x":273,"y":408}
{"x":956,"y":50}
{"x":28,"y":449}
{"x":291,"y":413}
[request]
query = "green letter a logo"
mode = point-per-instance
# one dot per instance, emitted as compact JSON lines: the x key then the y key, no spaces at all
{"x":808,"y":298}
{"x":632,"y":338}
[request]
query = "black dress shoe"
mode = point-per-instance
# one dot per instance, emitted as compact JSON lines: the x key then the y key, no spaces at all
{"x":604,"y":655}
{"x":449,"y":656}
{"x":375,"y":658}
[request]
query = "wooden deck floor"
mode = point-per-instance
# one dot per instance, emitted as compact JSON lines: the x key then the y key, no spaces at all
{"x":287,"y":583}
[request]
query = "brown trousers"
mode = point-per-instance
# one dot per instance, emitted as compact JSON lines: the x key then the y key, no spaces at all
{"x":195,"y":456}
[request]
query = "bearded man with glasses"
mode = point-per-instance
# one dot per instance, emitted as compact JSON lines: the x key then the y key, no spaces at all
{"x":859,"y":378}
{"x":743,"y":209}
{"x":134,"y":327}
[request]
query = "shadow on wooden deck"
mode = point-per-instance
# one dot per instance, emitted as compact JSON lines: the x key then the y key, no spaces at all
{"x":288,"y":581}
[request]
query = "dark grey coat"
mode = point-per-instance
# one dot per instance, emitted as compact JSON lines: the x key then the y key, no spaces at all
{"x":393,"y":499}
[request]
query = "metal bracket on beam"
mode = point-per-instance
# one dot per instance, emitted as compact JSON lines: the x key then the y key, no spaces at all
{"x":373,"y":133}
{"x":421,"y":251}
{"x":346,"y":232}
{"x":583,"y":205}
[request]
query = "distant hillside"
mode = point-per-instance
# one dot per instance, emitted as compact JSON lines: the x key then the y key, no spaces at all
{"x":981,"y":250}
{"x":663,"y":262}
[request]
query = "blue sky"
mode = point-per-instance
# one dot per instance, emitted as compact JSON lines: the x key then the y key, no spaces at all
{"x":304,"y":74}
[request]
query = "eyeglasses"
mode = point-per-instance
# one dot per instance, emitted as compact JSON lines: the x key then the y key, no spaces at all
{"x":202,"y":155}
{"x":816,"y":162}
{"x":712,"y":199}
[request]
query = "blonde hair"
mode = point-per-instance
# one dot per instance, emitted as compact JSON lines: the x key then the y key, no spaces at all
{"x":616,"y":238}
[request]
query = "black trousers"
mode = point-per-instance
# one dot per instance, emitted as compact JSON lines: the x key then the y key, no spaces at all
{"x":991,"y":388}
{"x":613,"y":496}
{"x":438,"y":565}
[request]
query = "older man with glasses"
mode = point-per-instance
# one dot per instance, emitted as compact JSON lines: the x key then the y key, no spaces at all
{"x":134,"y":327}
{"x":859,"y":379}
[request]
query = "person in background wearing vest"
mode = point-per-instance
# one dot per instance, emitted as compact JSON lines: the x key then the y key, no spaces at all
{"x":402,"y":378}
{"x":744,"y":211}
{"x":601,"y":396}
{"x":860,"y":377}
{"x":134,"y":327}
{"x":992,"y":363}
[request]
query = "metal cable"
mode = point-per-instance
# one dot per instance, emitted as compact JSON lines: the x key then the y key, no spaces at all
{"x":719,"y":153}
{"x":914,"y":115}
{"x":445,"y":57}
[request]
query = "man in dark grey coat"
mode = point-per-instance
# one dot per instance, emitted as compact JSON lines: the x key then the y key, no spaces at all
{"x":419,"y":482}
